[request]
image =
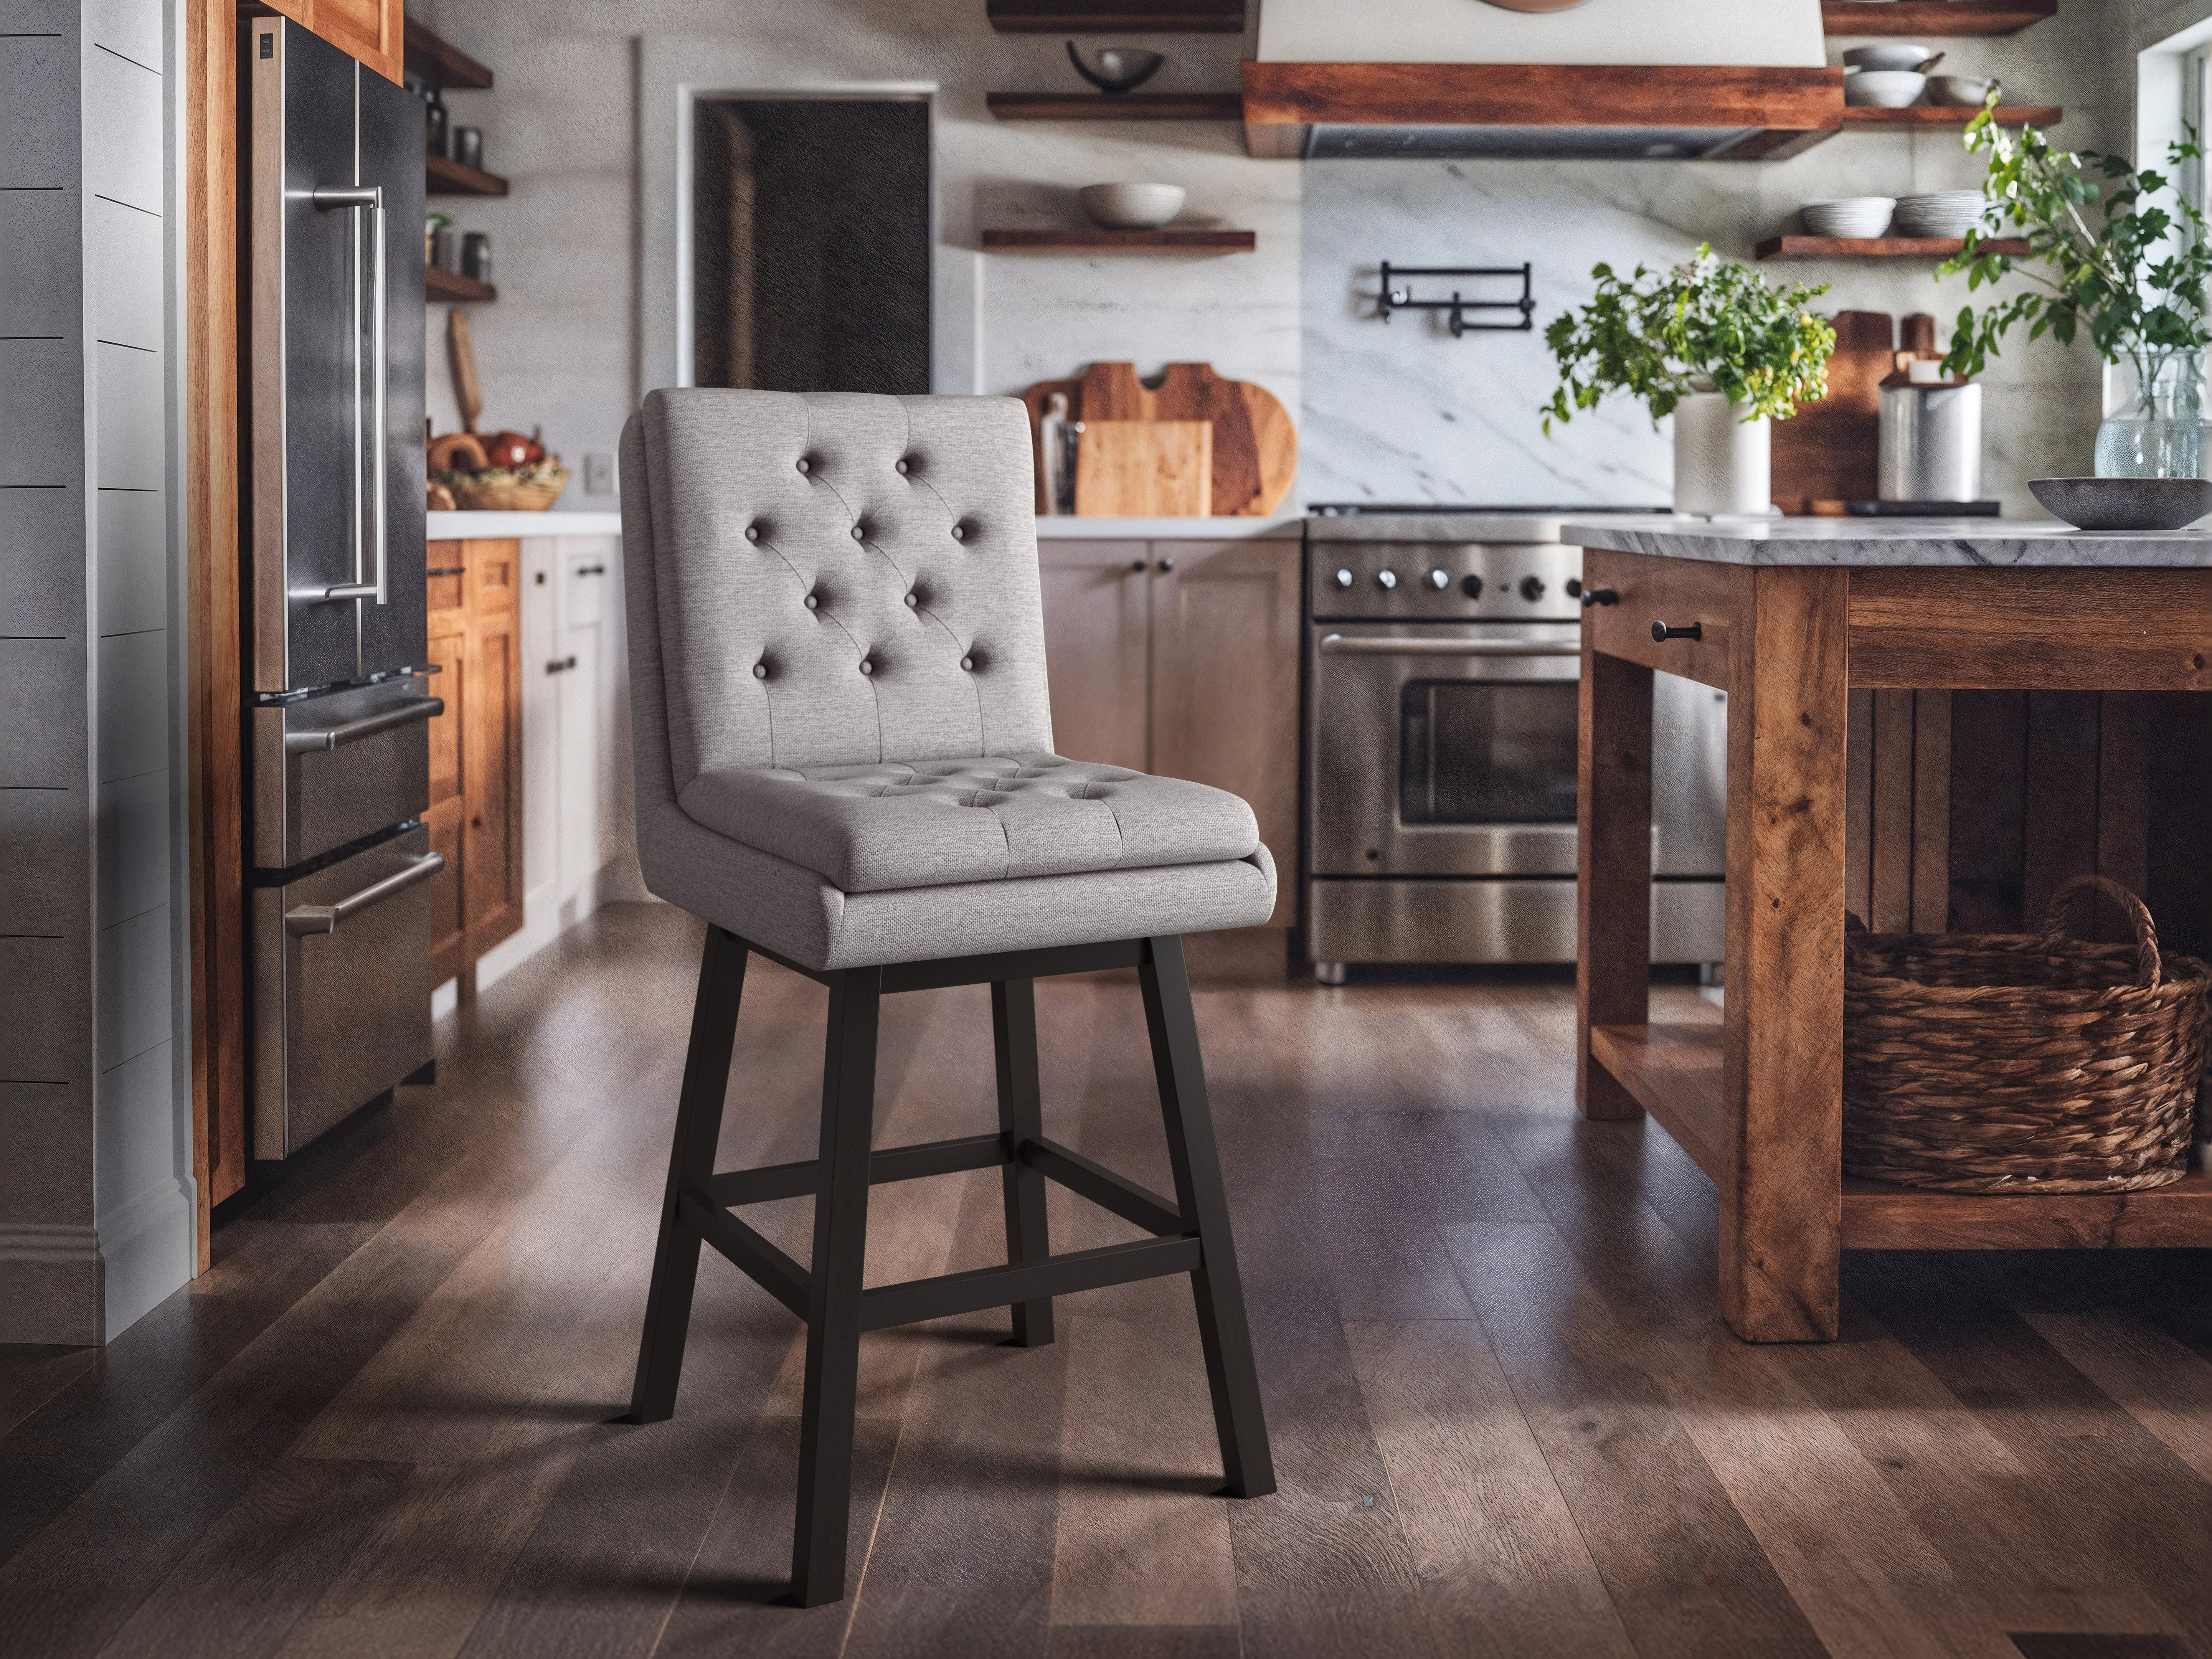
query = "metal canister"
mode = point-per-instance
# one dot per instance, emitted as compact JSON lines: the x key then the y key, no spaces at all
{"x":1931,"y":443}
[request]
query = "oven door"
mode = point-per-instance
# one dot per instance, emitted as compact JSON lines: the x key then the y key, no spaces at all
{"x":1444,"y":749}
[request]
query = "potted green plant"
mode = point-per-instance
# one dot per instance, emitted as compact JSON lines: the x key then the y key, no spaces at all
{"x":1711,"y":342}
{"x":2115,"y":251}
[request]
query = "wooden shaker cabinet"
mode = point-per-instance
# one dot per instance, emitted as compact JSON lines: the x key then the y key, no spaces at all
{"x":474,"y":816}
{"x":372,"y":31}
{"x":1182,"y":657}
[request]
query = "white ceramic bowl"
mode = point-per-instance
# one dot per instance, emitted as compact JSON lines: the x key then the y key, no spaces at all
{"x":1856,"y":216}
{"x":1939,"y":213}
{"x":1892,"y":57}
{"x":1959,"y":91}
{"x":1131,"y":207}
{"x":1884,"y":89}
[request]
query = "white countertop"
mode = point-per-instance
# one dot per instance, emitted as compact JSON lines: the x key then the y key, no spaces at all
{"x":2003,"y":542}
{"x":1062,"y":527}
{"x":499,"y":526}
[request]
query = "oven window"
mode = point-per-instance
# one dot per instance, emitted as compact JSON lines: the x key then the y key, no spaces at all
{"x":1474,"y":753}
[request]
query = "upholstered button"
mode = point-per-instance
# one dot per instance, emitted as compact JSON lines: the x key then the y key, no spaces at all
{"x":866,"y":668}
{"x":858,"y":534}
{"x":802,"y":464}
{"x":813,"y":601}
{"x":901,"y":466}
{"x":959,"y":533}
{"x":911,"y":599}
{"x":760,"y":670}
{"x":753,"y":532}
{"x":968,"y":664}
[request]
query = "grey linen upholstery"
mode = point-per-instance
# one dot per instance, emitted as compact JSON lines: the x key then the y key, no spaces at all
{"x":838,"y":705}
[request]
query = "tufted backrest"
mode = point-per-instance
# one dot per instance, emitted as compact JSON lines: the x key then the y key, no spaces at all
{"x":841,"y":579}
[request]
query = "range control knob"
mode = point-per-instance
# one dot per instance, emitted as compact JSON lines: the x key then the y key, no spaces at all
{"x":1343,"y":579}
{"x":1439,"y":580}
{"x":1471,"y":585}
{"x":1574,"y":587}
{"x":1531,"y":588}
{"x":1389,"y":579}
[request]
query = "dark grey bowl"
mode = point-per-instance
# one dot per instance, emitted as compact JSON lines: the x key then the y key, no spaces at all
{"x":2125,"y":503}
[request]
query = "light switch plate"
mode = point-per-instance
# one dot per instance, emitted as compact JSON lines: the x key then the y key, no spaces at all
{"x":599,"y":474}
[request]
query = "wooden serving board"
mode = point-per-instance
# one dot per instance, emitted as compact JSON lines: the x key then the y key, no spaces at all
{"x":1254,"y":445}
{"x":1145,"y":470}
{"x":1827,"y":452}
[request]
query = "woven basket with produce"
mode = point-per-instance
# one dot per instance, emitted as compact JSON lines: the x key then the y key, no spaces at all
{"x":505,"y":473}
{"x":2006,"y":1063}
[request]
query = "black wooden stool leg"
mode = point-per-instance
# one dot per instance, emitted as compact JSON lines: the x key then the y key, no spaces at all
{"x":833,"y":1316}
{"x":691,"y":1164}
{"x":1229,"y":1372}
{"x":1021,"y":1117}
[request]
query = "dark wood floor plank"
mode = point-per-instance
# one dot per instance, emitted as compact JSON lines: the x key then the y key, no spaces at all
{"x":32,"y":1373}
{"x":1499,"y":1557}
{"x":1144,"y":1642}
{"x":244,"y":1586}
{"x":2115,"y":1493}
{"x":1384,"y":1255}
{"x":1687,"y":1575}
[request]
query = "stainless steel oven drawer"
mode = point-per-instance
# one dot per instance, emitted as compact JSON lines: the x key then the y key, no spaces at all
{"x":341,"y":989}
{"x":329,"y":770}
{"x":1444,"y":921}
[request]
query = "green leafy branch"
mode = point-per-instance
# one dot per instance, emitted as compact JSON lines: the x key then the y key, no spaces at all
{"x":1708,"y":323}
{"x":2134,"y":283}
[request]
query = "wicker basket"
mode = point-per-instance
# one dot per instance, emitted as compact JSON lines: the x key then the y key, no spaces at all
{"x":2003,"y":1062}
{"x":504,"y":492}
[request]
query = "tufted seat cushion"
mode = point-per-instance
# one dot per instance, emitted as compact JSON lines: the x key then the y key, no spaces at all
{"x":838,"y":705}
{"x":875,"y":828}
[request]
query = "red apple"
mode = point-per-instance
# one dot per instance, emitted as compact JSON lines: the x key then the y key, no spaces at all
{"x":509,"y":449}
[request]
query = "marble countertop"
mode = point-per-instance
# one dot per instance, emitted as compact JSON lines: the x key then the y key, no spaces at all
{"x":461,"y":527}
{"x":2025,"y":542}
{"x":1065,"y":527}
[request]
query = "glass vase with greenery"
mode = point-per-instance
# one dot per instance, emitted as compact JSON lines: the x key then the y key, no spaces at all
{"x":2114,"y":250}
{"x":1708,"y":324}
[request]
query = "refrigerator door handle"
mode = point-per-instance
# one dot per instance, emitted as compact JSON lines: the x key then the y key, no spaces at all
{"x":356,"y":198}
{"x":337,"y":737}
{"x":325,"y":918}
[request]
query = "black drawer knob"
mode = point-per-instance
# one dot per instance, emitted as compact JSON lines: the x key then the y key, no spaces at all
{"x":1662,"y":633}
{"x":1599,"y":596}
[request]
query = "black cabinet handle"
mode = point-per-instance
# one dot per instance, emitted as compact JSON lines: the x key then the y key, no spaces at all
{"x":1662,"y":633}
{"x":1599,"y":596}
{"x":591,"y":570}
{"x":1166,"y":565}
{"x":1139,"y":566}
{"x":448,"y":570}
{"x":560,"y":665}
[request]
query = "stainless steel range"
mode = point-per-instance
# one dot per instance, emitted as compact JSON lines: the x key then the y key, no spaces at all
{"x":1443,"y":652}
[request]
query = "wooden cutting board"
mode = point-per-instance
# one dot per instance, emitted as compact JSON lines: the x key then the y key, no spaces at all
{"x":1828,"y":451}
{"x":1254,"y":445}
{"x":1145,"y":470}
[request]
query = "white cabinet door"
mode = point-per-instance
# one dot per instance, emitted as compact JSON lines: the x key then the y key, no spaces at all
{"x":587,"y":782}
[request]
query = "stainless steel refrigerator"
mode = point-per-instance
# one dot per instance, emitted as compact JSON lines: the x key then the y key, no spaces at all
{"x":337,"y":721}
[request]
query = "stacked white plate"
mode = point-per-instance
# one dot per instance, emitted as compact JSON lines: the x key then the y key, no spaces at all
{"x":1946,"y":213}
{"x":1857,"y":217}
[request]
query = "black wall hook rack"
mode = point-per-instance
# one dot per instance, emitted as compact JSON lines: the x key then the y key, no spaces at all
{"x":1394,"y":298}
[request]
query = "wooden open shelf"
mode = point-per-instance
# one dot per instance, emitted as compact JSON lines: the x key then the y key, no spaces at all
{"x":450,"y":178}
{"x":1169,"y":240}
{"x":444,"y":66}
{"x":1116,"y":106}
{"x":1945,"y":115}
{"x":1879,"y":248}
{"x":1939,"y":17}
{"x":1674,"y":1073}
{"x":1116,"y":16}
{"x":439,"y":283}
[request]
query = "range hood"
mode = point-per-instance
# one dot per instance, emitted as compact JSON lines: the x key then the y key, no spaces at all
{"x":1733,"y":80}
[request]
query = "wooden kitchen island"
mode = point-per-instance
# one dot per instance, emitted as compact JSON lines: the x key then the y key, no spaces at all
{"x":1788,"y":615}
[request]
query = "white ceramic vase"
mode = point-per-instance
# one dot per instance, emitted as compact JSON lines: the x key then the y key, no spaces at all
{"x":1720,"y":463}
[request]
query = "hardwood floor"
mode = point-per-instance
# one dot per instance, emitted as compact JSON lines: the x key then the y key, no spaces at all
{"x":1506,"y":1417}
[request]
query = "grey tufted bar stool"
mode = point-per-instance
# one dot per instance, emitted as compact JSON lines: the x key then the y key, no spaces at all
{"x":844,"y":764}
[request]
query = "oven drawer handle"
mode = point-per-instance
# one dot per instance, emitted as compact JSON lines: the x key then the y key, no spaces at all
{"x":325,"y":918}
{"x":337,"y":737}
{"x":1337,"y":645}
